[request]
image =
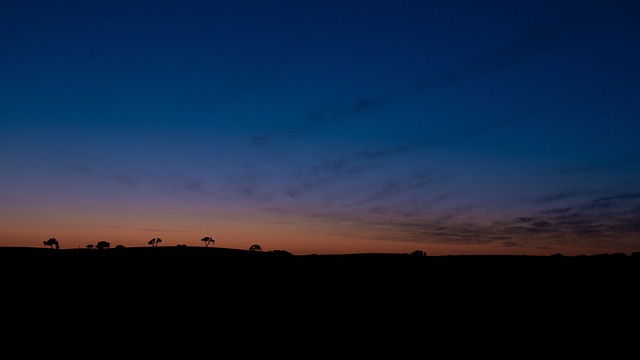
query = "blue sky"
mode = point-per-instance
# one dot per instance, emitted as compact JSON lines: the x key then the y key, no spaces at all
{"x":454,"y":127}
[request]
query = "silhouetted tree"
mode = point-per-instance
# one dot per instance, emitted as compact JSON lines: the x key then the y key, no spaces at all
{"x":418,"y":253}
{"x":154,"y":242}
{"x":119,"y":246}
{"x":90,"y":246}
{"x":255,"y":247}
{"x":52,"y":242}
{"x":207,"y":241}
{"x":103,"y":245}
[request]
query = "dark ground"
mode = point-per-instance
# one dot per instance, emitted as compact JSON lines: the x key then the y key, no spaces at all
{"x":316,"y":298}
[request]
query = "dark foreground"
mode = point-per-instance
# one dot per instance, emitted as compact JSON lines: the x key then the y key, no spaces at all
{"x":316,"y":298}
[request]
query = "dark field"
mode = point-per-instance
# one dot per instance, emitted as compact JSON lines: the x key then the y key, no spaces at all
{"x":399,"y":295}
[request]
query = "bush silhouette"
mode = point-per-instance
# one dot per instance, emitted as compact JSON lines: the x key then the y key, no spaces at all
{"x":52,"y":242}
{"x":103,"y":245}
{"x":255,"y":247}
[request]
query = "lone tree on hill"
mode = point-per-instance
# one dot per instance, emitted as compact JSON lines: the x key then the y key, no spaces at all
{"x":154,"y":242}
{"x":51,"y":242}
{"x":208,"y":241}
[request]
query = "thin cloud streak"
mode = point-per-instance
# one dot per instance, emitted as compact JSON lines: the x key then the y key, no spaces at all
{"x":154,"y":230}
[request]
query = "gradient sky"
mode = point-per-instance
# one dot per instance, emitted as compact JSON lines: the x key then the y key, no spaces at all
{"x":452,"y":127}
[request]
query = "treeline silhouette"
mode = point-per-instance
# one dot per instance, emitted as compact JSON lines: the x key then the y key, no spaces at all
{"x":463,"y":293}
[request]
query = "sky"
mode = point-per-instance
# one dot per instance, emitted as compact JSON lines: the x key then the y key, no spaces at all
{"x":322,"y":127}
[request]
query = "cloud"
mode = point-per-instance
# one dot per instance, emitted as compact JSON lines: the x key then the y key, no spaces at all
{"x":626,"y":161}
{"x":533,"y":41}
{"x":365,"y":170}
{"x":88,"y":172}
{"x":145,"y":229}
{"x":352,"y":107}
{"x":396,"y":187}
{"x":611,"y":218}
{"x":602,"y":222}
{"x":561,"y":195}
{"x":125,"y":180}
{"x":184,"y":184}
